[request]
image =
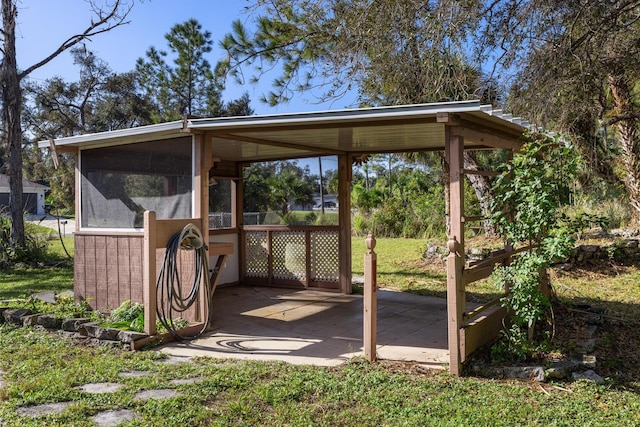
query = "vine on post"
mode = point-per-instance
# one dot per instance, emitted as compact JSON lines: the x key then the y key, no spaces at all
{"x":527,"y":209}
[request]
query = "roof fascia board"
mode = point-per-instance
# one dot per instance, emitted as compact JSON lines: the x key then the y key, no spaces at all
{"x":334,"y":118}
{"x":160,"y":129}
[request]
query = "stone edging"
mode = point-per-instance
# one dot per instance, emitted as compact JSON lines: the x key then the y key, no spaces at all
{"x":78,"y":329}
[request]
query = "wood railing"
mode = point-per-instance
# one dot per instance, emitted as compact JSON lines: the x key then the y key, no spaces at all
{"x":297,"y":256}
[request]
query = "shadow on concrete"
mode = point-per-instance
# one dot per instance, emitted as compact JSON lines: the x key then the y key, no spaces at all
{"x":319,"y":328}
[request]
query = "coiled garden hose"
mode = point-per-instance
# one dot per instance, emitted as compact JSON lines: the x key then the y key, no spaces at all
{"x":171,"y":300}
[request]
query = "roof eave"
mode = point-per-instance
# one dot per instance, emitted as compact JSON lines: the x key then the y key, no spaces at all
{"x":161,"y":129}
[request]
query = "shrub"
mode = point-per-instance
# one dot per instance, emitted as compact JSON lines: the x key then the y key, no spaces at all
{"x":33,"y":252}
{"x":527,"y":210}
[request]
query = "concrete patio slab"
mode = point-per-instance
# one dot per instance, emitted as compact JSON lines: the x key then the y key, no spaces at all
{"x":318,"y":328}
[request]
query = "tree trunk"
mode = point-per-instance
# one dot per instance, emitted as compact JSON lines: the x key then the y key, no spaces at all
{"x":627,"y":131}
{"x":482,"y":187}
{"x":11,"y":112}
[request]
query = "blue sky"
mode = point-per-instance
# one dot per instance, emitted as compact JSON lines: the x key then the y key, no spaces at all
{"x":44,"y":24}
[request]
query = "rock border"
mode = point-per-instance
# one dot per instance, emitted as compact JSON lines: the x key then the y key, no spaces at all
{"x":78,"y":329}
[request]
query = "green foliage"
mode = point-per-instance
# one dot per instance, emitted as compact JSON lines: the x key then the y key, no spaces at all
{"x":251,"y":393}
{"x":63,"y":308}
{"x":128,"y":315}
{"x":393,"y":52}
{"x":189,"y":86}
{"x":522,"y":277}
{"x":527,"y":210}
{"x":360,"y":224}
{"x":276,"y":186}
{"x":32,"y":253}
{"x":414,"y":208}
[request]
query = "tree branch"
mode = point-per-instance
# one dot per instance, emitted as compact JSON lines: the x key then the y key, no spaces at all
{"x":620,"y":118}
{"x":106,"y":22}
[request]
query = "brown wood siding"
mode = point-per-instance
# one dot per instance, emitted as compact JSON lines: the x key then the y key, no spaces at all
{"x":91,"y":293}
{"x":104,"y":270}
{"x":102,"y":278}
{"x":108,"y":271}
{"x":79,"y":276}
{"x":124,"y":269}
{"x":112,"y":272}
{"x":135,"y":268}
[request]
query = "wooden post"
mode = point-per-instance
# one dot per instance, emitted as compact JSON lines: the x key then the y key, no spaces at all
{"x":238,"y":214}
{"x":370,"y":327}
{"x":149,"y":272}
{"x":344,"y":221}
{"x":202,"y":162}
{"x":455,"y":260}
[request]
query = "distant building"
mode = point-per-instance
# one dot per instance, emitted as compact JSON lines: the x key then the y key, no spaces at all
{"x":32,"y":196}
{"x":330,"y":201}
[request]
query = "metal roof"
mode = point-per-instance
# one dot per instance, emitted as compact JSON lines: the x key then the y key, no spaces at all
{"x":278,"y":136}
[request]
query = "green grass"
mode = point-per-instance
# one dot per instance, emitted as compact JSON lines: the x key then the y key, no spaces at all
{"x":20,"y":281}
{"x":55,"y":273}
{"x":42,"y":368}
{"x":37,"y":368}
{"x":401,"y":266}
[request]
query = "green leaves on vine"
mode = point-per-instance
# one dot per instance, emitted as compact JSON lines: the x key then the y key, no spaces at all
{"x":527,"y":210}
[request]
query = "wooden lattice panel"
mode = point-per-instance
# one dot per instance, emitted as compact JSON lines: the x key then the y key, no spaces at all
{"x":325,"y":262}
{"x":289,"y":255}
{"x":257,"y":255}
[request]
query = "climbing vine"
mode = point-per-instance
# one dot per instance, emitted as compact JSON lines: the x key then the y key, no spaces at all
{"x":528,"y":210}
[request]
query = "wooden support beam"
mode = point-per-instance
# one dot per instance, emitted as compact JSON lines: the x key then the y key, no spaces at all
{"x":485,"y":138}
{"x":442,"y":117}
{"x":344,"y":221}
{"x":202,"y":162}
{"x":370,"y":306}
{"x":78,"y":185}
{"x":238,"y":218}
{"x":149,"y":272}
{"x":481,"y":173}
{"x":474,"y":218}
{"x":455,"y":260}
{"x":476,"y":273}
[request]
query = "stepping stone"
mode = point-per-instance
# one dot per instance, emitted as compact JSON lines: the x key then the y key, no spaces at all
{"x":97,"y":388}
{"x":173,"y":360}
{"x":164,"y":393}
{"x":134,"y":374}
{"x":114,"y":418}
{"x":49,"y":297}
{"x":46,"y":409}
{"x":2,"y":383}
{"x":180,"y":381}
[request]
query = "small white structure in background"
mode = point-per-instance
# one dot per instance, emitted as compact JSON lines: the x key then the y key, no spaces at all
{"x":32,"y":196}
{"x":330,"y":201}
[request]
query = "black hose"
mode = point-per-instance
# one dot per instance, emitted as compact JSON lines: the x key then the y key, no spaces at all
{"x":169,"y":293}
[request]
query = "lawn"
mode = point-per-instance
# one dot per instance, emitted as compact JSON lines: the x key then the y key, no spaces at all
{"x":38,"y":367}
{"x":42,"y":368}
{"x":55,"y":272}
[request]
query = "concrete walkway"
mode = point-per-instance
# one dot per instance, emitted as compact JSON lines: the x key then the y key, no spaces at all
{"x":50,"y":221}
{"x":319,"y":328}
